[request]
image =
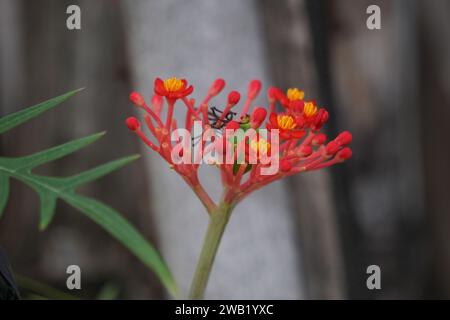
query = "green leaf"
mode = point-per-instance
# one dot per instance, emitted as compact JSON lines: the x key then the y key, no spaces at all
{"x":13,"y":120}
{"x":98,"y":172}
{"x":123,"y":231}
{"x":109,"y":291}
{"x":42,"y":290}
{"x":48,"y":205}
{"x":50,"y":189}
{"x":4,"y":192}
{"x":39,"y":158}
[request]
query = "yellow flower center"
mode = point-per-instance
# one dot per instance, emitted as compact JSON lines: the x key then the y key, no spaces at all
{"x":286,"y":122}
{"x":295,"y":94}
{"x":310,"y":109}
{"x":260,"y":145}
{"x":173,"y":84}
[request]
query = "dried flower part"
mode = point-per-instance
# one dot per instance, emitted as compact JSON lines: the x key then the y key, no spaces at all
{"x":293,"y":142}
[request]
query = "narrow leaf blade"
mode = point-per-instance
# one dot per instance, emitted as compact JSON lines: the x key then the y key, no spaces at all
{"x":4,"y":192}
{"x":13,"y":120}
{"x":39,"y":158}
{"x":98,"y":172}
{"x":48,"y":205}
{"x":123,"y":231}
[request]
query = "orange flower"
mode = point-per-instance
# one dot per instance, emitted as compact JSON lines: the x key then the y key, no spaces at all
{"x":310,"y":109}
{"x":294,"y":94}
{"x":172,"y":88}
{"x":286,"y":124}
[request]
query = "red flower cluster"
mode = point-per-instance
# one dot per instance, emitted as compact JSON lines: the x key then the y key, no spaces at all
{"x":301,"y":146}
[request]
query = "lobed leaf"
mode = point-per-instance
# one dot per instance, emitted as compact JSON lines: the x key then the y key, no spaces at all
{"x":50,"y":189}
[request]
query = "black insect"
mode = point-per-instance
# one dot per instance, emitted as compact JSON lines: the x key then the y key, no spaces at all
{"x":214,"y":115}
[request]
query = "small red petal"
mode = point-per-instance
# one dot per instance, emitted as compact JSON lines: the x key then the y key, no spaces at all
{"x":285,"y":134}
{"x":300,"y":121}
{"x":188,"y":91}
{"x":319,"y":119}
{"x":297,"y":134}
{"x":159,"y":87}
{"x":273,"y":120}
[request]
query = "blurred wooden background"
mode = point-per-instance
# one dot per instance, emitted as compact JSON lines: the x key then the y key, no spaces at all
{"x":388,"y":206}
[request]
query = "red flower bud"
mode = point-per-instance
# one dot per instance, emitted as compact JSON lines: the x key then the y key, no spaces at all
{"x":285,"y":165}
{"x":273,"y":94}
{"x":344,"y":154}
{"x":332,"y":148}
{"x":305,"y":151}
{"x":137,"y":99}
{"x":319,"y":139}
{"x":257,"y":117}
{"x":234,"y":97}
{"x":233,"y":125}
{"x":132,"y":123}
{"x":216,"y":87}
{"x":320,"y":119}
{"x":344,"y":138}
{"x":157,"y":103}
{"x":253,"y":89}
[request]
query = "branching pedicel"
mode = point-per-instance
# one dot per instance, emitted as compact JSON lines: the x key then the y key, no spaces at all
{"x":239,"y":147}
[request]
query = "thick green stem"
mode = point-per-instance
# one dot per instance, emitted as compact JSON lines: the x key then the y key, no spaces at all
{"x":217,"y":223}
